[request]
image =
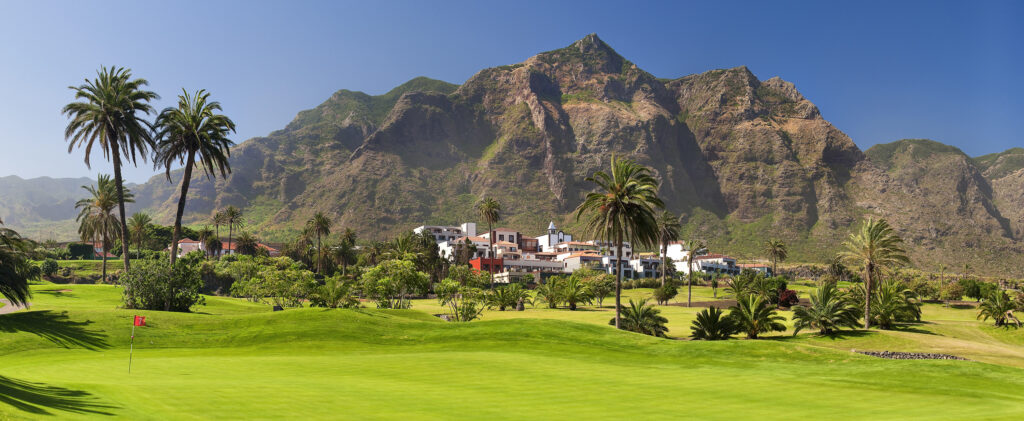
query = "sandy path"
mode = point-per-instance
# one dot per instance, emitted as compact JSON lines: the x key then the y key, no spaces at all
{"x":9,"y":308}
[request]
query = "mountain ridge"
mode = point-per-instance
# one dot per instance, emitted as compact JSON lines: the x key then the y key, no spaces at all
{"x":740,"y":158}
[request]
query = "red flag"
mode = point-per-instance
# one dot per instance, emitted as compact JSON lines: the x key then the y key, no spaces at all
{"x":140,"y":320}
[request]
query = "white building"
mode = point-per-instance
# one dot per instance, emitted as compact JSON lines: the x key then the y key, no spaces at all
{"x":611,"y":249}
{"x":448,"y":249}
{"x":547,"y":242}
{"x":646,"y":267}
{"x":443,"y":233}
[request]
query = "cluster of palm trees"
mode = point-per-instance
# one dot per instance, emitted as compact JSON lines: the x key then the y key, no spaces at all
{"x":15,"y":267}
{"x":109,"y":113}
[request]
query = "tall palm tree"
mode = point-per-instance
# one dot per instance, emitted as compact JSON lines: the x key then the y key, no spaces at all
{"x":205,"y":235}
{"x":218,"y":219}
{"x":694,"y":248}
{"x":193,"y":132}
{"x":622,"y":210}
{"x":15,"y":268}
{"x":345,"y":254}
{"x":96,"y":218}
{"x":776,"y":250}
{"x":232,"y":218}
{"x":668,"y":231}
{"x":490,"y":210}
{"x":137,"y":228}
{"x":875,"y":247}
{"x":320,"y":226}
{"x":110,"y":115}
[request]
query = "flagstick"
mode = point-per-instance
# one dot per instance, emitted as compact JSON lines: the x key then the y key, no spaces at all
{"x":131,"y":348}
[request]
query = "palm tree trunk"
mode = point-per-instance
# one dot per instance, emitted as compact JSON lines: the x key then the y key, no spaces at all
{"x":319,"y":254}
{"x":185,"y":180}
{"x":618,"y":282}
{"x":867,"y":298}
{"x":116,"y":153}
{"x":231,"y":226}
{"x":689,"y":282}
{"x":664,"y":269}
{"x":103,"y":255}
{"x":490,"y":239}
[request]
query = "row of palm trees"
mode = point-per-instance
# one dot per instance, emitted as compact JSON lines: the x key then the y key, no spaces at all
{"x":109,"y":113}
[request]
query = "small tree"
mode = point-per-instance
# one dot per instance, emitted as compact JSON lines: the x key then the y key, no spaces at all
{"x":334,"y":293}
{"x":601,"y":286}
{"x":664,"y":293}
{"x":393,"y":282}
{"x":463,"y":303}
{"x":49,"y":267}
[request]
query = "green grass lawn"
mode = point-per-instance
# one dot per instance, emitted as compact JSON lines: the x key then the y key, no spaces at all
{"x":67,"y":358}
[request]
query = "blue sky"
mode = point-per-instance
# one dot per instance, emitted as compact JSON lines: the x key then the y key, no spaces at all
{"x":879,"y":71}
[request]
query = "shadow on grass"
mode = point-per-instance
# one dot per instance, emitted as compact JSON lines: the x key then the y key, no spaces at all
{"x":38,"y":398}
{"x":912,"y":329}
{"x":54,"y":327}
{"x":835,"y":335}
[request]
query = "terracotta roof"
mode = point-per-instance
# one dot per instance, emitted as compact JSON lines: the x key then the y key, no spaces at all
{"x":478,"y":239}
{"x":584,"y":254}
{"x":187,"y":240}
{"x":712,"y":256}
{"x":504,"y":243}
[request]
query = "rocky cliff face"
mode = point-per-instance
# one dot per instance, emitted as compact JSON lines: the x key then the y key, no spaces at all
{"x":742,"y":159}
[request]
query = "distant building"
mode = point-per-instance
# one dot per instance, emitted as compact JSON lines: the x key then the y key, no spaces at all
{"x":554,"y":236}
{"x":757,"y":267}
{"x":444,"y":233}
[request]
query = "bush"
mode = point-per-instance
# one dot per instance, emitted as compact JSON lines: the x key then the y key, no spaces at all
{"x":156,"y":285}
{"x":663,"y":294}
{"x":79,"y":251}
{"x":392,"y":283}
{"x":788,"y":298}
{"x":49,"y":267}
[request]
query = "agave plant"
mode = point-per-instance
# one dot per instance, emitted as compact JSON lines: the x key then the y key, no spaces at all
{"x":999,"y":308}
{"x":828,"y":312}
{"x":754,"y":316}
{"x":641,"y":317}
{"x":712,"y":325}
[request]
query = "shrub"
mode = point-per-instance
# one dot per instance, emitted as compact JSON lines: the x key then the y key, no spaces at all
{"x":49,"y":267}
{"x":79,"y":251}
{"x":601,"y":287}
{"x":156,"y":285}
{"x":663,"y":294}
{"x":550,"y":292}
{"x":464,"y":303}
{"x":951,"y":291}
{"x":334,"y":293}
{"x":788,"y":298}
{"x":508,"y":297}
{"x":712,"y":325}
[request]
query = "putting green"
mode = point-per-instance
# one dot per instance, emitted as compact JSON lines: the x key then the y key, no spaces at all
{"x":67,"y":358}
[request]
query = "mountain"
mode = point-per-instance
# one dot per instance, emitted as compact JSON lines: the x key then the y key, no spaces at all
{"x":740,"y":158}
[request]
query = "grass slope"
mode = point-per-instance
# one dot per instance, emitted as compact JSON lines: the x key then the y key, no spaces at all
{"x":67,"y":358}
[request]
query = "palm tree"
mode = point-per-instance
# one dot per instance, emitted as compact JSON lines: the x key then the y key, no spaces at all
{"x":836,"y":270}
{"x":712,"y":325}
{"x":622,"y":210}
{"x":248,"y":244}
{"x":875,"y":247}
{"x":668,"y":231}
{"x":320,"y":226}
{"x":95,"y":214}
{"x":490,"y":211}
{"x":15,"y":268}
{"x":828,"y":312}
{"x":345,"y":254}
{"x":549,"y":292}
{"x":205,"y":235}
{"x":575,"y":291}
{"x":754,"y":316}
{"x":894,"y":302}
{"x":999,"y":308}
{"x":137,"y":227}
{"x":644,"y":318}
{"x":776,"y":250}
{"x":232,"y":218}
{"x":110,"y":115}
{"x":694,"y":248}
{"x":193,"y":132}
{"x":218,"y":219}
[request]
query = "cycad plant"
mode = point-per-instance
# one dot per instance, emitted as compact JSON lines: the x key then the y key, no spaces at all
{"x":828,"y":312}
{"x":754,"y":316}
{"x":894,"y":303}
{"x":712,"y":325}
{"x":550,"y":292}
{"x":644,"y":318}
